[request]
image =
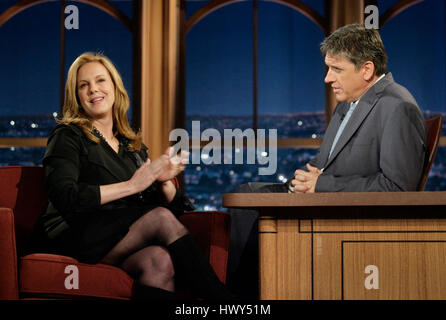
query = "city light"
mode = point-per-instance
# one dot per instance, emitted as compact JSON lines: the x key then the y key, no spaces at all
{"x":205,"y":184}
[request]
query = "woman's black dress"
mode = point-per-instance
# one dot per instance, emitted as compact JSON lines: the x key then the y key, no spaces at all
{"x":75,"y":223}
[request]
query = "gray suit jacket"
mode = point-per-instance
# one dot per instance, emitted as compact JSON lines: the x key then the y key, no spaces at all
{"x":382,"y":148}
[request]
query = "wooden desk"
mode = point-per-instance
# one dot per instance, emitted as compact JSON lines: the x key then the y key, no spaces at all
{"x":350,"y":245}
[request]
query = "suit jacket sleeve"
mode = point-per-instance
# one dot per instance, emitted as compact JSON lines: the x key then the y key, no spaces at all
{"x":402,"y":153}
{"x":62,"y":170}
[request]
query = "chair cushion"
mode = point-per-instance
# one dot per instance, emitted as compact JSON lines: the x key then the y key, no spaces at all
{"x":45,"y":274}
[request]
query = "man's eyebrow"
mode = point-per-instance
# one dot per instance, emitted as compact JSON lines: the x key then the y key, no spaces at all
{"x":333,"y":66}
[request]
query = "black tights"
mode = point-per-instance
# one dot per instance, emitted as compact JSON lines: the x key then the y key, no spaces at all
{"x":150,"y":265}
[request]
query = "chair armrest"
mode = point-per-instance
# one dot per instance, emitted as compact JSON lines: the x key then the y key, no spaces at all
{"x":211,"y":230}
{"x":8,"y":256}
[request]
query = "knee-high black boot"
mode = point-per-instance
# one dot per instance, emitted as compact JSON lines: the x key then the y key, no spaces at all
{"x":195,"y":271}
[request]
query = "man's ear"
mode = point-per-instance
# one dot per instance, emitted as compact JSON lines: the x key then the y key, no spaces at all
{"x":368,"y":70}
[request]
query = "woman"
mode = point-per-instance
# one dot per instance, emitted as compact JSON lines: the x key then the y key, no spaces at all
{"x":108,"y":202}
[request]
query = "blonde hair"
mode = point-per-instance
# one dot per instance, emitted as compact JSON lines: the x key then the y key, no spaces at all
{"x":73,"y":113}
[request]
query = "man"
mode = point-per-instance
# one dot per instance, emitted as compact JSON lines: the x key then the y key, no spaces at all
{"x":375,"y":140}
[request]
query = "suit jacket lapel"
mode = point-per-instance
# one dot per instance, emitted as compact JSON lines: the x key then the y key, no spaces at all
{"x":362,"y":110}
{"x":330,"y":133}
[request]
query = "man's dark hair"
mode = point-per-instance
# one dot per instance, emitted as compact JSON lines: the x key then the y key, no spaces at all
{"x":358,"y":44}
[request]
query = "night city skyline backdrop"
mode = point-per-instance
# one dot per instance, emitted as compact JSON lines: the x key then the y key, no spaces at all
{"x":219,"y":56}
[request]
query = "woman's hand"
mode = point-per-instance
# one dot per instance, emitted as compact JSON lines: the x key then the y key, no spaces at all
{"x":176,"y":164}
{"x":148,"y":173}
{"x":162,"y":169}
{"x":143,"y":177}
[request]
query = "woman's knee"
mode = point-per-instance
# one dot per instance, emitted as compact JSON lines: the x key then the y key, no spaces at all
{"x":156,"y":263}
{"x":166,"y":219}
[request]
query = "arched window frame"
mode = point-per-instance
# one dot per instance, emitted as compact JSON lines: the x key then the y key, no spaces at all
{"x":337,"y":14}
{"x":102,"y":5}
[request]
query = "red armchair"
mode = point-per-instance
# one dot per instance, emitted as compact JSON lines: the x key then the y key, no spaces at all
{"x":43,"y":276}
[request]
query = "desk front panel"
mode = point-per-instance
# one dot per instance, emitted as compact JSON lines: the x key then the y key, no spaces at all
{"x":379,"y":259}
